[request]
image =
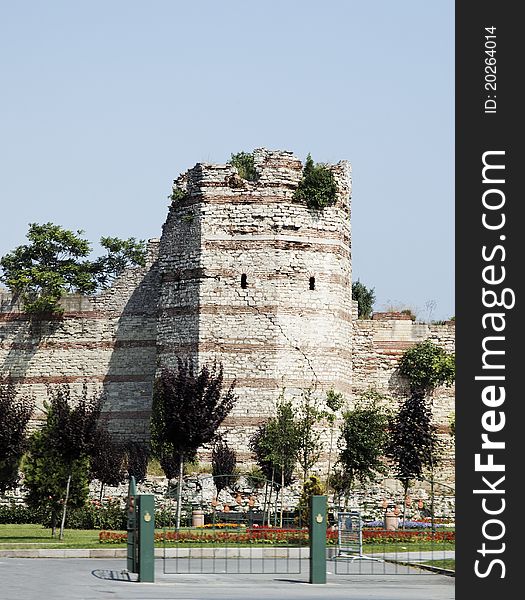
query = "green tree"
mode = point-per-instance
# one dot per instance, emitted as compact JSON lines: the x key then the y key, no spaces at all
{"x":55,"y":263}
{"x":317,"y":187}
{"x":41,"y":272}
{"x":364,"y":438}
{"x":365,"y":299}
{"x":334,"y":403}
{"x":57,"y":464}
{"x":15,"y":413}
{"x":45,"y":478}
{"x":340,"y":482}
{"x":276,"y":445}
{"x":187,"y":410}
{"x":427,"y":366}
{"x":120,"y":254}
{"x":69,"y":435}
{"x":309,"y":436}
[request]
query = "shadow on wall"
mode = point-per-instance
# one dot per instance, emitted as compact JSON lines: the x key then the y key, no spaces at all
{"x":157,"y":324}
{"x":24,"y":337}
{"x":128,"y":380}
{"x":181,"y":273}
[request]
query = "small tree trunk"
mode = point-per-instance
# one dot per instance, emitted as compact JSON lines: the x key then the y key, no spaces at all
{"x":329,"y":460}
{"x":265,"y":499}
{"x":179,"y":492}
{"x":282,"y":495}
{"x":61,"y":535}
{"x":53,"y":524}
{"x":432,"y":520}
{"x":270,"y":497}
{"x":405,"y":494}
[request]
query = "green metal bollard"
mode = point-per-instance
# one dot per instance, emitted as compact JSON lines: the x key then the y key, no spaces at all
{"x":318,"y":539}
{"x":146,"y":535}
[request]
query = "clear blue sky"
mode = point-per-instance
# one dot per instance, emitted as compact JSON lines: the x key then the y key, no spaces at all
{"x":104,"y":103}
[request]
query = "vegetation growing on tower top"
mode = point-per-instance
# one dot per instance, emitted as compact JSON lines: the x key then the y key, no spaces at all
{"x":244,"y":162}
{"x":317,"y":187}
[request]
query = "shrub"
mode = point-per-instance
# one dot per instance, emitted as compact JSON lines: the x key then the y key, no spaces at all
{"x":255,"y":478}
{"x":244,"y":163}
{"x":18,"y":514}
{"x":317,"y":187}
{"x":178,"y":195}
{"x":311,"y":487}
{"x":427,"y":366}
{"x":95,"y":515}
{"x":409,"y":312}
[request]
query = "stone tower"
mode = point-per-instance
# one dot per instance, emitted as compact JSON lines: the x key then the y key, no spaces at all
{"x":258,"y":281}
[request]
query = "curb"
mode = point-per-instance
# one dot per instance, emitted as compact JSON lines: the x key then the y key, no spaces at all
{"x":438,"y":570}
{"x":65,"y":553}
{"x":197,"y":553}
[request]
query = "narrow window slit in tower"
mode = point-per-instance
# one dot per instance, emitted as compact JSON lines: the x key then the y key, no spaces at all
{"x":244,"y":281}
{"x":312,"y":283}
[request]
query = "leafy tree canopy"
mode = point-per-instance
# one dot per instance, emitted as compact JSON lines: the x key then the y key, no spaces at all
{"x":334,"y":402}
{"x":413,"y":444}
{"x":223,"y":463}
{"x":276,"y":445}
{"x":317,"y":187}
{"x":120,"y":254}
{"x":60,"y":452}
{"x":364,"y":437}
{"x":365,"y":299}
{"x":107,"y":459}
{"x":45,"y":477}
{"x":187,"y":410}
{"x":426,"y":366}
{"x":136,"y":456}
{"x":309,"y":436}
{"x":54,"y":262}
{"x":72,"y":424}
{"x":15,"y":412}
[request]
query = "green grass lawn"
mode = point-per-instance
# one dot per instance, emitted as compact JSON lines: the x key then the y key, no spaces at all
{"x":13,"y":537}
{"x":445,"y":563}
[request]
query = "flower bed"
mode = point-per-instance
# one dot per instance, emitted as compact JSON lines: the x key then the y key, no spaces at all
{"x":274,"y":536}
{"x":407,"y":537}
{"x":270,"y":536}
{"x":221,"y":526}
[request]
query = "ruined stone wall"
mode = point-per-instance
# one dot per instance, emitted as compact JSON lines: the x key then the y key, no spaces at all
{"x":275,"y":332}
{"x":107,"y":342}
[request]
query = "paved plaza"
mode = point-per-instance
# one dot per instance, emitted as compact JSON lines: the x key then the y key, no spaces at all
{"x":89,"y":579}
